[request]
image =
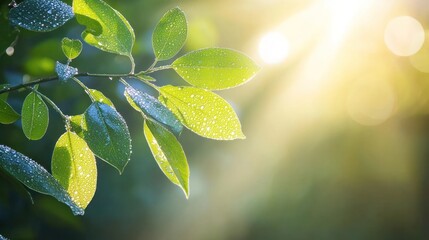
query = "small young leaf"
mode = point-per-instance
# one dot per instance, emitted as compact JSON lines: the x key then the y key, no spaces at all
{"x":203,"y":112}
{"x":73,"y":165}
{"x":106,"y":28}
{"x":170,"y":34}
{"x":40,"y":15}
{"x":7,"y":114}
{"x":99,"y":97}
{"x":151,"y":106}
{"x":35,"y":117}
{"x":107,"y":134}
{"x":168,"y":153}
{"x":215,"y":68}
{"x":35,"y":177}
{"x":65,"y":72}
{"x":71,"y":47}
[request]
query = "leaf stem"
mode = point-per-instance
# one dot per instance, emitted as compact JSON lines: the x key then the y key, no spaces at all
{"x":133,"y":64}
{"x":158,"y":69}
{"x":87,"y":90}
{"x":53,"y":105}
{"x":53,"y":78}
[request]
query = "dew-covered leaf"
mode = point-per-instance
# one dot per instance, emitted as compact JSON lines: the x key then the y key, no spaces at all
{"x":107,"y":134}
{"x":151,"y":107}
{"x":7,"y":114}
{"x":215,"y":68}
{"x":202,"y":112}
{"x":64,"y":71}
{"x":168,"y":153}
{"x":71,"y":47}
{"x":40,"y":15}
{"x":35,"y":117}
{"x":74,"y":166}
{"x":170,"y":34}
{"x":99,"y":97}
{"x":106,"y":28}
{"x":35,"y":177}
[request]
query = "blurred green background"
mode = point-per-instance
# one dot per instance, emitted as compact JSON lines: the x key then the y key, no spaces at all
{"x":337,"y":126}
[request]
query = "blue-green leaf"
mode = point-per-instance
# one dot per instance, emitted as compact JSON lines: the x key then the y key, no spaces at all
{"x":35,"y":177}
{"x":40,"y":15}
{"x":7,"y":114}
{"x":170,"y":34}
{"x":73,"y":165}
{"x":65,"y":72}
{"x":215,"y":68}
{"x":35,"y":117}
{"x":107,"y":135}
{"x":106,"y":28}
{"x":168,"y":153}
{"x":151,"y":107}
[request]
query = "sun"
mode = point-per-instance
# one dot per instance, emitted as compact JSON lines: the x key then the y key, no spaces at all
{"x":273,"y":48}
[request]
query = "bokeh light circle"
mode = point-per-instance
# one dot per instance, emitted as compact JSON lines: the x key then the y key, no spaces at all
{"x":273,"y":48}
{"x":404,"y":36}
{"x":371,"y":102}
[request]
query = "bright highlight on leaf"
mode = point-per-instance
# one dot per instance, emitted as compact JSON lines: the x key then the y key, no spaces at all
{"x":106,"y":28}
{"x":203,"y":112}
{"x":170,"y":34}
{"x":215,"y":68}
{"x":168,"y":153}
{"x":7,"y":114}
{"x":35,"y":117}
{"x":151,"y":107}
{"x":99,"y":97}
{"x":74,"y":166}
{"x":35,"y":177}
{"x":71,"y":48}
{"x":40,"y":15}
{"x":107,"y":134}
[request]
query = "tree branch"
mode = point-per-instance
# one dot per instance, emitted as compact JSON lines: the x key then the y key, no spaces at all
{"x":53,"y":78}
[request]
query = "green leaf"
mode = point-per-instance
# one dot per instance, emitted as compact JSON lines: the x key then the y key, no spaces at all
{"x":35,"y":117}
{"x":4,"y":96}
{"x":76,"y":124}
{"x":40,"y":15}
{"x":7,"y":114}
{"x":35,"y":177}
{"x":74,"y":166}
{"x":99,"y":97}
{"x":203,"y":112}
{"x":168,"y":153}
{"x":151,"y":107}
{"x":107,"y":134}
{"x":170,"y":34}
{"x":71,"y":47}
{"x":106,"y":28}
{"x":215,"y":68}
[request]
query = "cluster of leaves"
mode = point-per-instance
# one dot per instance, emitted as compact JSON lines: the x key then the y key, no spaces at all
{"x":101,"y":131}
